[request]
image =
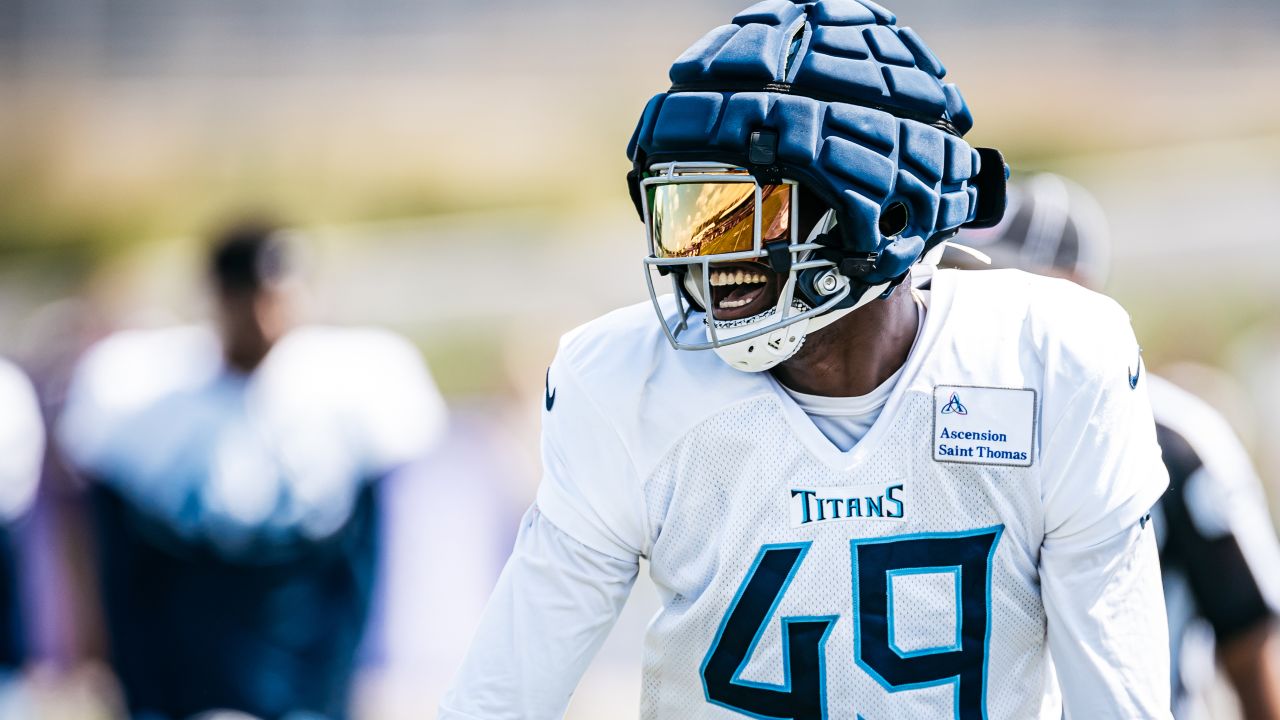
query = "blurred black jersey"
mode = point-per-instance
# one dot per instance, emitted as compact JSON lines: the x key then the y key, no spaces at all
{"x":21,"y":457}
{"x":1216,"y":539}
{"x":191,"y":630}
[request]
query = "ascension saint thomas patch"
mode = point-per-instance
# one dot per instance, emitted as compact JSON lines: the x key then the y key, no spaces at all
{"x":984,"y":425}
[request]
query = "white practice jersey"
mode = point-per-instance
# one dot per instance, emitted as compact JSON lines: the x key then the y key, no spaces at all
{"x":995,"y":509}
{"x":21,"y":442}
{"x":227,"y":457}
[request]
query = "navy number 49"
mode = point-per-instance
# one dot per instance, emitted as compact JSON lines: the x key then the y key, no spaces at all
{"x":802,"y":695}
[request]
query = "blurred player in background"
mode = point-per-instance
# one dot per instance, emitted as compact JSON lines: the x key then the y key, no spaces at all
{"x":1218,"y":549}
{"x":865,"y":500}
{"x":21,"y":457}
{"x":233,"y":471}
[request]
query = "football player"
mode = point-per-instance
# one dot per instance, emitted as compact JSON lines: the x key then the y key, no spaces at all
{"x":21,"y":457}
{"x":232,"y":475}
{"x":1218,"y":548}
{"x":857,"y":500}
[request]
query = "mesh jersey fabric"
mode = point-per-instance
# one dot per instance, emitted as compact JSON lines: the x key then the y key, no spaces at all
{"x":682,"y":460}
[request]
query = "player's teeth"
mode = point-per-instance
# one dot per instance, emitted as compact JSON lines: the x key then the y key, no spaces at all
{"x":721,"y":278}
{"x":731,"y":304}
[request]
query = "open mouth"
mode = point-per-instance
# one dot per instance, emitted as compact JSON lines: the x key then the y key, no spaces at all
{"x":741,"y":290}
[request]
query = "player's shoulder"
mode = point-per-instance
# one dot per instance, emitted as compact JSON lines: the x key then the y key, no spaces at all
{"x":132,"y":367}
{"x":628,"y":347}
{"x":21,"y":442}
{"x":628,"y":375}
{"x":126,"y":376}
{"x":1059,"y":322}
{"x":1175,"y":406}
{"x":1060,"y":306}
{"x":18,"y":398}
{"x":355,"y":350}
{"x":21,"y":417}
{"x":369,"y":371}
{"x":359,"y":338}
{"x":14,"y":385}
{"x":1193,"y":433}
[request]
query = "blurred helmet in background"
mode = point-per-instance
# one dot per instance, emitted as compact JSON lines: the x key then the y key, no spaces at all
{"x":1052,"y":227}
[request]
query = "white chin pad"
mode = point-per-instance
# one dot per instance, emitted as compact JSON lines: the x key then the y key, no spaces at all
{"x":764,"y":352}
{"x":761,"y":353}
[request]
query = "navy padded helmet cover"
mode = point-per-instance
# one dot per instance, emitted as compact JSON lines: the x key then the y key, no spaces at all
{"x":859,"y":107}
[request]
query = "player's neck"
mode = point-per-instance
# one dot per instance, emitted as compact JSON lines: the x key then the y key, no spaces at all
{"x":243,"y":352}
{"x":858,"y":352}
{"x":245,"y":360}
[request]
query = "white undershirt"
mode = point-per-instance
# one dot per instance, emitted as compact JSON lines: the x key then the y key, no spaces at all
{"x":845,"y":420}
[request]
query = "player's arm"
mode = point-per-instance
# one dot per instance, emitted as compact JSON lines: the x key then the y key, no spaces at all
{"x":1107,"y":630}
{"x":574,"y":563}
{"x":1218,"y":531}
{"x":1099,"y":565}
{"x":552,"y":608}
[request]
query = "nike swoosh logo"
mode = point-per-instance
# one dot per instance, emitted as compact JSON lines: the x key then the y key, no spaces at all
{"x":1135,"y":374}
{"x":551,"y":394}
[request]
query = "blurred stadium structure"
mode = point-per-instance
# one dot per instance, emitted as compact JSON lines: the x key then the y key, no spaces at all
{"x":458,"y":171}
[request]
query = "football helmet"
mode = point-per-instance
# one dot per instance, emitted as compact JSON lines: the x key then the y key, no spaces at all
{"x":805,"y":156}
{"x":1053,"y":227}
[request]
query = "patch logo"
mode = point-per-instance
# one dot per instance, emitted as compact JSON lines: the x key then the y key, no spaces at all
{"x":1134,"y":375}
{"x":550,"y":399}
{"x":992,"y":426}
{"x":954,"y":406}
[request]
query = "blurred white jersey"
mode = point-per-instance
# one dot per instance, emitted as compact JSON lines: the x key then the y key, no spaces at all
{"x":21,"y":442}
{"x":223,"y":456}
{"x":996,"y":508}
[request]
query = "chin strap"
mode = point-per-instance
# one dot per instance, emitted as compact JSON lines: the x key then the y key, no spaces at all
{"x":973,"y":252}
{"x":928,"y":264}
{"x":822,"y":321}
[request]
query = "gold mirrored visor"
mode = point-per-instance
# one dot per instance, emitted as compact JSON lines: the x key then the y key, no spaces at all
{"x":697,"y":219}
